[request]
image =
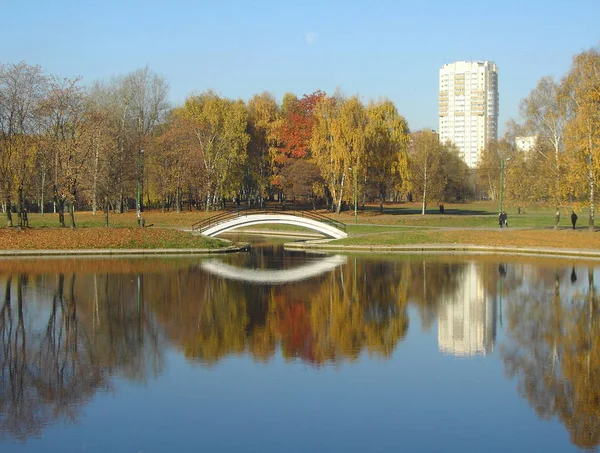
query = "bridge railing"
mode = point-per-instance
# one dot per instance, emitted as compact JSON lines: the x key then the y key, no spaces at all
{"x":225,"y":216}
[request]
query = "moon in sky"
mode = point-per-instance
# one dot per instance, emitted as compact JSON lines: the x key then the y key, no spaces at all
{"x":312,"y":37}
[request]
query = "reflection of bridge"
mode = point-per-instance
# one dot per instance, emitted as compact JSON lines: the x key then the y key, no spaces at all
{"x":273,"y":276}
{"x":231,"y":220}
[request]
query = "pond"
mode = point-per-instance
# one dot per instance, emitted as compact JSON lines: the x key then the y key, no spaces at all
{"x":285,"y":351}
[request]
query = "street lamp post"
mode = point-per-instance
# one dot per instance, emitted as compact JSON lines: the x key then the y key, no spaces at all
{"x":502,"y":166}
{"x":355,"y":194}
{"x":139,"y":194}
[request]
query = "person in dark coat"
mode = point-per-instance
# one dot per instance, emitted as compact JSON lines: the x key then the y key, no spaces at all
{"x":505,"y":218}
{"x":501,"y":219}
{"x":573,"y":218}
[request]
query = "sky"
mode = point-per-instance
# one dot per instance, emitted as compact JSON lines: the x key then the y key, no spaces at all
{"x":374,"y":49}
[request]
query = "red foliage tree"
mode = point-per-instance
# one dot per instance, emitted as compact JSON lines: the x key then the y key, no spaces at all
{"x":295,"y":130}
{"x":294,"y":135}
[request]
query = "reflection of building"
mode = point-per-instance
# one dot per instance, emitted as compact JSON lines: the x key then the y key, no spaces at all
{"x":468,"y":106}
{"x":467,"y":319}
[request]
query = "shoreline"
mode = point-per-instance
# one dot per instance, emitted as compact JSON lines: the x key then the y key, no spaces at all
{"x":121,"y":252}
{"x":323,"y":245}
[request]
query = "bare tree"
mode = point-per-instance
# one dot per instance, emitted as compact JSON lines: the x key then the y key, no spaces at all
{"x":22,"y":88}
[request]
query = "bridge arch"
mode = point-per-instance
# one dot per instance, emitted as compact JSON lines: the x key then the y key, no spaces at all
{"x":260,"y":219}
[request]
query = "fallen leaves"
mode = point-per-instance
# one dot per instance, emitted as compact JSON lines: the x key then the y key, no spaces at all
{"x":101,"y":238}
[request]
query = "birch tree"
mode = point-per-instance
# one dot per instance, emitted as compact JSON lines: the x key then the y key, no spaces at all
{"x":387,"y":142}
{"x":546,"y":115}
{"x":263,"y":116}
{"x":583,"y":87}
{"x":427,"y":178}
{"x":219,"y":126}
{"x":322,"y":146}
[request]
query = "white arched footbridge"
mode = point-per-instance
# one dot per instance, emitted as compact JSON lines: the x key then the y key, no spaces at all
{"x":231,"y":220}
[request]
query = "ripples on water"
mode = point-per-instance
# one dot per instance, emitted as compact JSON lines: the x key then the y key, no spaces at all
{"x":288,"y":351}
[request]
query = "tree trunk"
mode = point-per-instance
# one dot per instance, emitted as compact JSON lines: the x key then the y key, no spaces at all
{"x":9,"y":223}
{"x":178,"y":199}
{"x":121,"y":201}
{"x":106,"y":209}
{"x":592,"y":205}
{"x":339,"y":204}
{"x":42,"y":192}
{"x":71,"y":207}
{"x":20,"y":207}
{"x":591,"y":179}
{"x":59,"y":205}
{"x":424,"y":192}
{"x":95,"y":182}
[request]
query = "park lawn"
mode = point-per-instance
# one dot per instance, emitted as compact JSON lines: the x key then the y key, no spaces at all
{"x":128,"y":219}
{"x":103,"y":238}
{"x":489,"y":221}
{"x":578,"y":239}
{"x":460,"y":215}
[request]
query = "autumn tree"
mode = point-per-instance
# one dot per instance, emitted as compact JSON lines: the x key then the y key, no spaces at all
{"x":293,"y":133}
{"x":582,"y":85}
{"x":340,"y":144}
{"x":263,"y":120}
{"x":64,"y":112}
{"x":386,"y":156}
{"x":219,"y":126}
{"x":456,"y":174}
{"x":546,"y":115}
{"x":426,"y":175}
{"x":302,"y":180}
{"x":22,"y":89}
{"x":175,"y":157}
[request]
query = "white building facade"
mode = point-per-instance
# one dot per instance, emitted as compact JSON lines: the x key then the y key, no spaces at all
{"x":468,"y":106}
{"x":525,"y":144}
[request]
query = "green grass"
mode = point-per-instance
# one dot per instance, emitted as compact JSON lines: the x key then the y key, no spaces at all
{"x":183,"y":241}
{"x":481,"y":221}
{"x":398,"y":237}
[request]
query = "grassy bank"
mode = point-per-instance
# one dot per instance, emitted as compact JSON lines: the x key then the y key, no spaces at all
{"x":103,"y":238}
{"x":469,"y":223}
{"x":579,"y":239}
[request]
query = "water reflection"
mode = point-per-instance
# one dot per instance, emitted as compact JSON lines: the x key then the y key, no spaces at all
{"x":61,"y":338}
{"x":68,"y":328}
{"x":553,"y":349}
{"x":467,"y":319}
{"x":273,"y":276}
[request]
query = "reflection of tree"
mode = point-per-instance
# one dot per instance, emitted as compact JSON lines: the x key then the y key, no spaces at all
{"x":553,"y":348}
{"x":57,"y":352}
{"x":330,"y":318}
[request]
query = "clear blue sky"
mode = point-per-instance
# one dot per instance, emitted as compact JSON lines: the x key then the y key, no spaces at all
{"x":371,"y":48}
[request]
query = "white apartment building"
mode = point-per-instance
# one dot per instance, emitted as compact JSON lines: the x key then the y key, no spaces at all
{"x":468,"y":106}
{"x":525,"y":143}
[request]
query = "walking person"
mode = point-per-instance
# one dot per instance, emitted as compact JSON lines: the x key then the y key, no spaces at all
{"x":500,"y":219}
{"x":505,"y":217}
{"x":573,"y":218}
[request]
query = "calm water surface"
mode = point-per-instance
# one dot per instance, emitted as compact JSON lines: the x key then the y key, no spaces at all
{"x":276,"y":351}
